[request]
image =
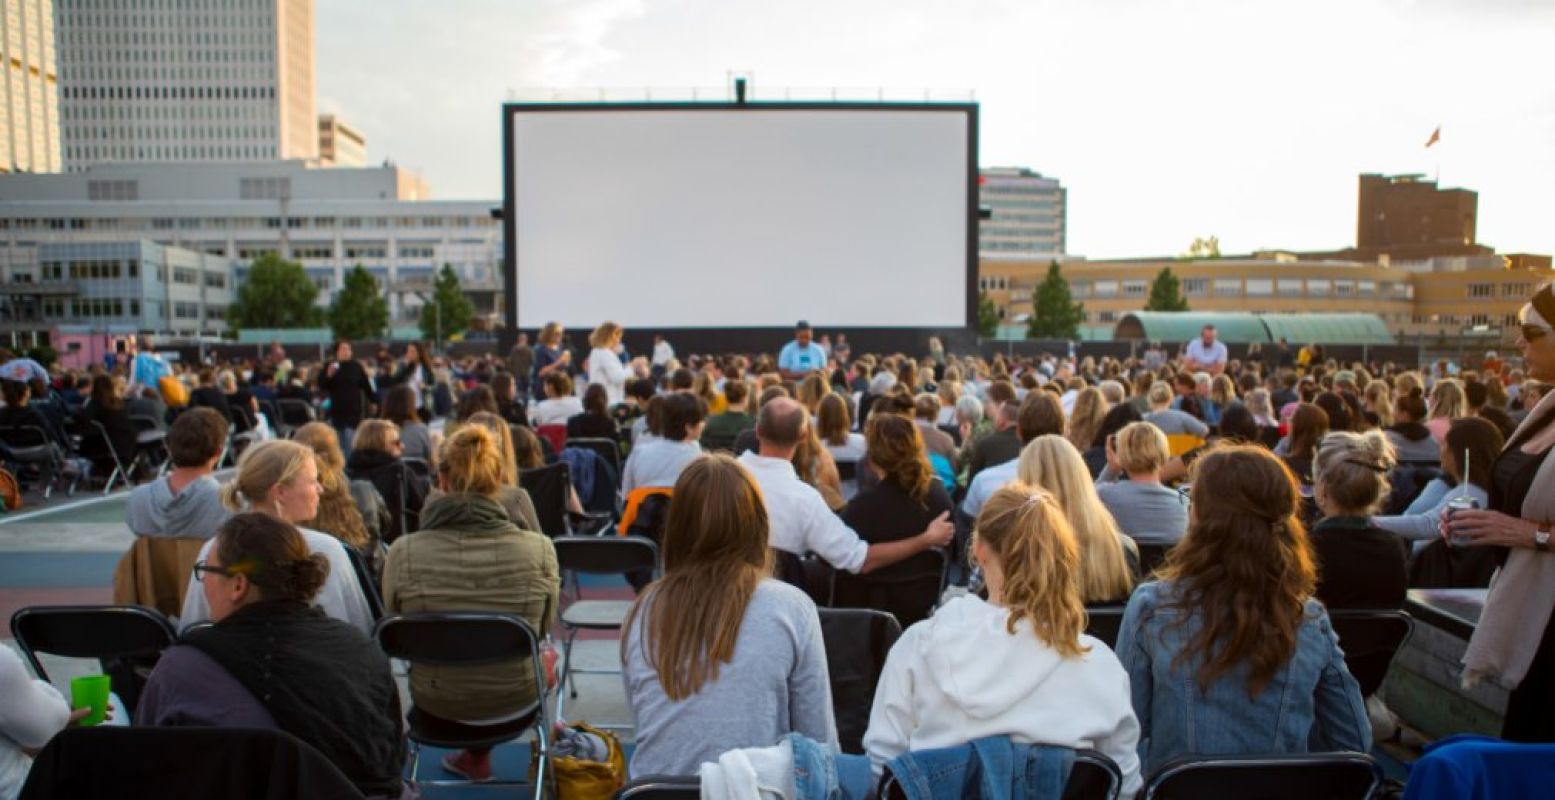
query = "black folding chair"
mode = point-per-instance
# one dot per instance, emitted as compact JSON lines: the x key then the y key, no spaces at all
{"x":1151,"y":556}
{"x":908,"y":589}
{"x":364,"y":576}
{"x":1104,"y":622}
{"x":597,"y":555}
{"x":548,"y":487}
{"x":29,"y":446}
{"x":278,"y":423}
{"x":465,"y":639}
{"x":847,"y":470}
{"x":1331,"y":776}
{"x":1093,"y":776}
{"x":857,"y":641}
{"x":295,"y":413}
{"x":1369,"y":639}
{"x":116,"y":762}
{"x":608,"y":449}
{"x":151,"y":443}
{"x":96,"y":445}
{"x":662,"y":787}
{"x":127,"y":640}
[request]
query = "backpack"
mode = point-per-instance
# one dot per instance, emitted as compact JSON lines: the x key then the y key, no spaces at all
{"x":10,"y":491}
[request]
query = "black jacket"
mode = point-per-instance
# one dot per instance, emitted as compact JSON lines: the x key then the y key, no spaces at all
{"x":348,"y":390}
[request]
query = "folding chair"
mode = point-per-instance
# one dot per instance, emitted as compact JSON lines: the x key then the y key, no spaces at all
{"x":244,"y":430}
{"x":1093,"y":776}
{"x":96,"y":444}
{"x":364,"y":576}
{"x":548,"y":487}
{"x":1104,"y":623}
{"x":115,"y":762}
{"x":126,"y":639}
{"x":608,"y":449}
{"x":151,"y":443}
{"x":464,"y":639}
{"x":1369,"y":639}
{"x":847,"y":470}
{"x":908,"y":589}
{"x":278,"y":423}
{"x":1331,"y":776}
{"x":857,"y":641}
{"x":295,"y":413}
{"x":662,"y":787}
{"x":555,"y":434}
{"x":1151,"y":556}
{"x":597,"y":555}
{"x":31,"y":446}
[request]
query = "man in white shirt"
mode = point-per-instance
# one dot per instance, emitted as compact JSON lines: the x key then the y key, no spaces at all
{"x":1204,"y":354}
{"x":663,"y":353}
{"x":800,"y":520}
{"x":660,"y":461}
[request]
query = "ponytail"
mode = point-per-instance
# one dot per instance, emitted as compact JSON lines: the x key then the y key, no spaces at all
{"x":1029,"y":535}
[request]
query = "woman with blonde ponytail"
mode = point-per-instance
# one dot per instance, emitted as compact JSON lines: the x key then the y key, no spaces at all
{"x":470,"y":556}
{"x":1017,"y":664}
{"x":1109,"y":560}
{"x":281,"y":478}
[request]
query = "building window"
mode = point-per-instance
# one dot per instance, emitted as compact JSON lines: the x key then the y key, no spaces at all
{"x":215,"y":280}
{"x":1260,"y":287}
{"x":1107,"y":316}
{"x":416,"y":251}
{"x":358,"y":251}
{"x":186,"y":275}
{"x":1133,"y":288}
{"x":1319,"y":287}
{"x":313,"y":251}
{"x":1195,"y":286}
{"x":1228,"y":287}
{"x":1482,"y":290}
{"x":1344,"y":288}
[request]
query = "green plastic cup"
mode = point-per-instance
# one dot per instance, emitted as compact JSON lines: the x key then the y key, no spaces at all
{"x":90,"y":691}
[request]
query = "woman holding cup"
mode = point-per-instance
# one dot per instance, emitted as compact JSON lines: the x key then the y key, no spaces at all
{"x":1514,"y":642}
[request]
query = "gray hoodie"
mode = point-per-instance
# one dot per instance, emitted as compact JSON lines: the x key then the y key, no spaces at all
{"x":195,"y":512}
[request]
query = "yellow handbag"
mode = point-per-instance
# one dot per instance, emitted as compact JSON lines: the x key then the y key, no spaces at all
{"x":575,"y":778}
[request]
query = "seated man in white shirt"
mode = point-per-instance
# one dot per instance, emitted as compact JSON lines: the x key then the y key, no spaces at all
{"x":1204,"y":354}
{"x":660,"y":460}
{"x":800,"y":520}
{"x":1040,"y":413}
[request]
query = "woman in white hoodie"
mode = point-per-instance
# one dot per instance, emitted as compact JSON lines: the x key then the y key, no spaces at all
{"x":1017,"y":664}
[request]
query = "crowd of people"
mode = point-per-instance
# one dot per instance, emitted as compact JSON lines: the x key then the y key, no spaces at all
{"x":1226,"y":504}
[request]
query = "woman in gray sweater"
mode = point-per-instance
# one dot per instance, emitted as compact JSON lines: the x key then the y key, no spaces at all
{"x":750,"y":665}
{"x":1130,"y":487}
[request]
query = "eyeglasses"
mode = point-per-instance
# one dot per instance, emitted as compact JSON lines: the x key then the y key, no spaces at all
{"x":201,"y":569}
{"x":1533,"y":333}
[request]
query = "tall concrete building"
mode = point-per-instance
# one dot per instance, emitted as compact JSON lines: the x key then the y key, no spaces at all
{"x":29,"y":100}
{"x":1028,"y":212}
{"x":185,"y":80}
{"x":340,"y":145}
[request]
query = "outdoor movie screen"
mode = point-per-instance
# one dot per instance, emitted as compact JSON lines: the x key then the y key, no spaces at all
{"x":751,"y":216}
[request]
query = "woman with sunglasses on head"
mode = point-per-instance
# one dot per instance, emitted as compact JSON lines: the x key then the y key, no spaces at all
{"x":281,"y":478}
{"x":273,"y":660}
{"x":1514,"y":643}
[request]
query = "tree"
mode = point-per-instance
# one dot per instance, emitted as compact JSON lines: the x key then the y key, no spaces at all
{"x":360,"y":310}
{"x":1203,"y":248}
{"x":276,"y":294}
{"x":448,"y":312}
{"x":987,"y":316}
{"x":1166,"y":293}
{"x":1055,"y":314}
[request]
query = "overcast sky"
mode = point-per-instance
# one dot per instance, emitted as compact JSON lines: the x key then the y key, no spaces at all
{"x":1165,"y":119}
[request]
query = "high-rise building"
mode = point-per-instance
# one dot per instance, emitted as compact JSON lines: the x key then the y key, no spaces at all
{"x":1028,"y":212}
{"x":29,"y":102}
{"x":185,"y":80}
{"x":340,"y":145}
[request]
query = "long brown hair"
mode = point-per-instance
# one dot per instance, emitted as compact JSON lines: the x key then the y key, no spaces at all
{"x":896,"y":447}
{"x":831,"y":419}
{"x":715,"y":553}
{"x":1245,"y":568}
{"x":338,"y":514}
{"x":1308,"y":426}
{"x":1040,"y":560}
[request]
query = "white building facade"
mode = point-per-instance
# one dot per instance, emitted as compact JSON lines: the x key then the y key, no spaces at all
{"x":1029,"y":214}
{"x":185,"y":80}
{"x":29,"y":100}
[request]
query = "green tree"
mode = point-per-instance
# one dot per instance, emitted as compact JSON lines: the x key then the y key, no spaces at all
{"x":448,"y":312}
{"x":360,"y":310}
{"x":1055,"y":314}
{"x":1203,"y":247}
{"x":1166,"y":293}
{"x":276,"y":294}
{"x":987,"y":316}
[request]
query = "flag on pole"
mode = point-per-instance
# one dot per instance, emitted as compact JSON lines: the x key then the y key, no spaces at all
{"x":1436,"y":136}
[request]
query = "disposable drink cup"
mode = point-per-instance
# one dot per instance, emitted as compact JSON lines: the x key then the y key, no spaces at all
{"x":90,"y":691}
{"x":1453,"y":507}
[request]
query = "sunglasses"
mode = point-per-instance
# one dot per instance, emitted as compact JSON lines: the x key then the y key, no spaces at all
{"x":1533,"y":333}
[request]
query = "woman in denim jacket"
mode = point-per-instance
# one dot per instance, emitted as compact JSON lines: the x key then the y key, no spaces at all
{"x":1228,"y":653}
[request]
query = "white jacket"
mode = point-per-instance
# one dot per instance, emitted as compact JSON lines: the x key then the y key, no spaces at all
{"x":606,"y":369}
{"x":960,"y":675}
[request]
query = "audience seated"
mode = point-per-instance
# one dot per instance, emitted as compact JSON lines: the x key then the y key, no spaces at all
{"x":1473,"y":437}
{"x":187,"y":501}
{"x":147,"y":403}
{"x":31,"y":712}
{"x":470,"y":556}
{"x":750,"y":665}
{"x":1229,"y":653}
{"x":376,"y":450}
{"x":659,"y":462}
{"x":814,"y":465}
{"x":1038,"y":415}
{"x":1171,"y":420}
{"x":1017,"y":664}
{"x":595,"y":421}
{"x":207,"y":395}
{"x":835,"y":429}
{"x":722,"y":429}
{"x":1109,"y":560}
{"x":1448,"y":402}
{"x":281,"y":478}
{"x":475,"y":400}
{"x":559,"y":405}
{"x":272,"y":661}
{"x":1001,"y":445}
{"x":510,"y":406}
{"x":1131,"y":489}
{"x":349,"y":510}
{"x":1359,"y":564}
{"x":106,"y":406}
{"x":401,"y":406}
{"x":529,"y":453}
{"x":514,"y":499}
{"x":940,"y":446}
{"x":1087,"y":417}
{"x":1118,"y":416}
{"x":1308,"y":426}
{"x":799,"y":520}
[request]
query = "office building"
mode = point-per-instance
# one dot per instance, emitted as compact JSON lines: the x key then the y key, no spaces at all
{"x":340,"y":145}
{"x":329,"y":220}
{"x":1027,"y":212}
{"x":29,"y":102}
{"x":185,"y":80}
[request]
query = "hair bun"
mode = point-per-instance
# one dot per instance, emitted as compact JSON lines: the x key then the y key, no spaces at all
{"x":304,"y":578}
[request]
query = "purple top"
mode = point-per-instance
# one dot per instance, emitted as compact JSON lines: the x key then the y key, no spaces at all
{"x":189,"y":688}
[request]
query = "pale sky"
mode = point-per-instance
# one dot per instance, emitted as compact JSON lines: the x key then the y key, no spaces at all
{"x":1165,"y":119}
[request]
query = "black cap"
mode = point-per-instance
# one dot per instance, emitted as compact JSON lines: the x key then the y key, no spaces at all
{"x":801,"y":325}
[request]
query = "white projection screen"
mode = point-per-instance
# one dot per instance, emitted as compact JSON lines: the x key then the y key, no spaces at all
{"x":751,"y":216}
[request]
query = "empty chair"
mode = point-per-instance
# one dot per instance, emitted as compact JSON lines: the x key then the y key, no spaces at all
{"x":126,"y":639}
{"x":462,"y":639}
{"x":857,"y":642}
{"x":1369,"y":639}
{"x":597,"y":555}
{"x":1332,"y":776}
